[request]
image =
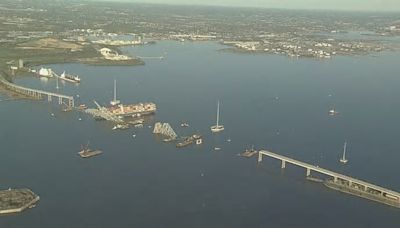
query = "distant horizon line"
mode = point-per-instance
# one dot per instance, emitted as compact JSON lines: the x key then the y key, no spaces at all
{"x":252,"y":7}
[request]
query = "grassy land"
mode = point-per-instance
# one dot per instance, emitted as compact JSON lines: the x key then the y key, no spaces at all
{"x":38,"y":55}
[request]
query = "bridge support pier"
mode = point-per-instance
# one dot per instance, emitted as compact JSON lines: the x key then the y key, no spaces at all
{"x":259,"y":157}
{"x":49,"y":98}
{"x":59,"y":100}
{"x":308,"y":172}
{"x":283,"y":165}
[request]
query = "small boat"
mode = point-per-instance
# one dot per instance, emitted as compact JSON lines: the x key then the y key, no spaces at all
{"x":86,"y":152}
{"x":343,"y":159}
{"x":217,"y":148}
{"x":184,"y":124}
{"x":333,"y":112}
{"x":217,"y":128}
{"x":121,"y":127}
{"x":199,"y":141}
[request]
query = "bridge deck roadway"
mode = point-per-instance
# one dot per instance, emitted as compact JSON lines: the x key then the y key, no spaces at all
{"x":326,"y":172}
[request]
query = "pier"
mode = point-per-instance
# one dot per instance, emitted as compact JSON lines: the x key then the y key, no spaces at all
{"x":38,"y":94}
{"x":341,"y":182}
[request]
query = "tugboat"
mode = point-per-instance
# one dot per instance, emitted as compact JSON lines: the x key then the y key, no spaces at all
{"x":86,"y":152}
{"x":189,"y":140}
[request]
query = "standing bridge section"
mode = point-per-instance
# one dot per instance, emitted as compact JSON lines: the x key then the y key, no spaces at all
{"x":341,"y":182}
{"x":38,"y":94}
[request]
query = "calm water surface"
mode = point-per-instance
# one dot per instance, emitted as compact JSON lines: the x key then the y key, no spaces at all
{"x":271,"y":102}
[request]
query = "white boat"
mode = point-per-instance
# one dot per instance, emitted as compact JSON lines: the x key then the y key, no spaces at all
{"x":45,"y":72}
{"x":217,"y":128}
{"x":343,"y":159}
{"x":115,"y":102}
{"x":199,"y":141}
{"x":333,"y":112}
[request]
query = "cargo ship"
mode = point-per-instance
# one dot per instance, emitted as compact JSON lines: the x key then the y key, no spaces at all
{"x":70,"y":78}
{"x":133,"y":110}
{"x":130,"y":110}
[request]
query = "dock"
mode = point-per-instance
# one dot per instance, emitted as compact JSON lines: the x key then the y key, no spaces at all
{"x":341,"y":182}
{"x":38,"y":94}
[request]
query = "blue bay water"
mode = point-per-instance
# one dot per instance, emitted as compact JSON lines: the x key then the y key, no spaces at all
{"x":271,"y":102}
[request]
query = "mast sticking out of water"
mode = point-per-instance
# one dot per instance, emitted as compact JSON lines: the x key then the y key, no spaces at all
{"x":115,"y":101}
{"x":343,"y":159}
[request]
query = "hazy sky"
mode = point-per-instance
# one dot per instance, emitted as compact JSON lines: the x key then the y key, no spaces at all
{"x":391,"y":5}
